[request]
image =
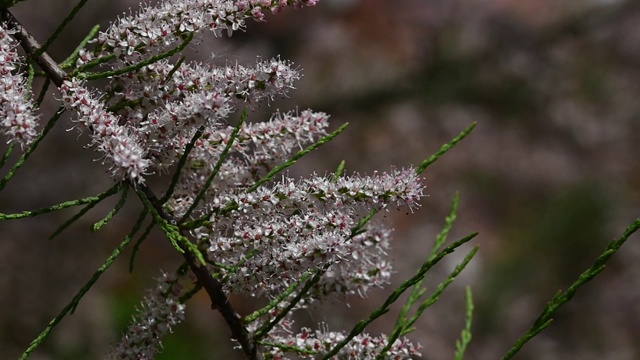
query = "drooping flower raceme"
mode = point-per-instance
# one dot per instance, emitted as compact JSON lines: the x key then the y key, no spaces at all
{"x":160,"y":106}
{"x":155,"y":28}
{"x":292,"y":226}
{"x":151,"y":135}
{"x":161,"y":309}
{"x":17,"y":118}
{"x":315,"y":344}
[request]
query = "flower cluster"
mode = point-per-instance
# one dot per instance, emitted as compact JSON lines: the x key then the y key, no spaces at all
{"x":161,"y":310}
{"x":257,"y":240}
{"x":312,"y":344}
{"x":151,"y":135}
{"x":258,"y":148}
{"x":137,"y":37}
{"x":151,"y":113}
{"x":119,"y":144}
{"x":17,"y":117}
{"x":271,"y":236}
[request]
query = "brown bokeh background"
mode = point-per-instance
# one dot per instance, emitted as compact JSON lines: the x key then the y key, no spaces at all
{"x":548,"y":177}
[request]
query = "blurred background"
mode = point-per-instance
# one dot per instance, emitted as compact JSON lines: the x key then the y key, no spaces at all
{"x":549,"y":176}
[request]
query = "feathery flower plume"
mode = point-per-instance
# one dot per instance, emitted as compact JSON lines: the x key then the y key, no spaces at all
{"x":17,"y":110}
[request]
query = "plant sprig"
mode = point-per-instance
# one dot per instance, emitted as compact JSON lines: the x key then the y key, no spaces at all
{"x":384,"y":308}
{"x":546,"y":317}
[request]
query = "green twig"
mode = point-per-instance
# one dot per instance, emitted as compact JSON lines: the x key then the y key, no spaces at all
{"x":273,"y":303}
{"x":465,"y":336}
{"x":441,"y":287}
{"x":7,"y":154}
{"x":91,"y":64}
{"x":339,"y":170}
{"x":360,"y":326}
{"x":73,"y":57}
{"x":288,"y":348}
{"x":446,"y":147}
{"x":418,"y":291}
{"x":70,"y":308}
{"x":297,"y":157}
{"x":43,"y":91}
{"x":264,"y":330}
{"x":136,"y":246}
{"x":31,"y":148}
{"x":30,"y":76}
{"x":64,"y":205}
{"x":60,"y":28}
{"x":113,"y":212}
{"x":546,"y":317}
{"x":406,"y":324}
{"x":72,"y":220}
{"x":137,"y":66}
{"x":181,"y":163}
{"x":179,"y":241}
{"x":80,"y":213}
{"x":216,"y":168}
{"x":450,"y":219}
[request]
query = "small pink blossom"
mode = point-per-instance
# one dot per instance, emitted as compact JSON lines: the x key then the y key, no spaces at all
{"x":120,"y":146}
{"x":17,"y":110}
{"x":134,"y":37}
{"x":317,"y":343}
{"x":161,"y":310}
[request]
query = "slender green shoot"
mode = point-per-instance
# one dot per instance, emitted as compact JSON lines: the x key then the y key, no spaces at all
{"x":91,"y":64}
{"x":7,"y":154}
{"x":70,"y":61}
{"x":60,"y":28}
{"x":97,"y":226}
{"x":216,"y":168}
{"x":430,"y":160}
{"x":446,"y":147}
{"x":273,"y":303}
{"x":405,"y":326}
{"x":30,"y":76}
{"x":359,"y":228}
{"x":43,"y":91}
{"x":86,"y":209}
{"x":264,"y":330}
{"x":171,"y":231}
{"x":136,"y":66}
{"x":441,"y":239}
{"x":339,"y":171}
{"x":175,"y":68}
{"x":297,"y":157}
{"x":288,"y":348}
{"x":64,"y":205}
{"x":418,"y":290}
{"x":136,"y":246}
{"x":181,"y":164}
{"x":31,"y":148}
{"x":360,"y":326}
{"x":465,"y":336}
{"x":70,"y":308}
{"x":441,"y":287}
{"x":72,"y":220}
{"x":546,"y":317}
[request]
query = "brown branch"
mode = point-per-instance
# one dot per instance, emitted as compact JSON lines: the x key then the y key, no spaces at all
{"x":31,"y":46}
{"x":212,"y":286}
